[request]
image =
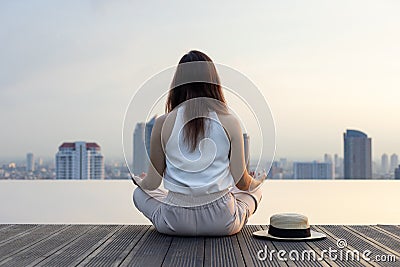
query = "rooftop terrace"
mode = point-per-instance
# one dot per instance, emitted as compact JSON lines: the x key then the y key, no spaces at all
{"x":141,"y":245}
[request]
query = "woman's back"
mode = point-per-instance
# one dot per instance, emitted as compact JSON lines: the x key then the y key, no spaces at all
{"x":204,"y":170}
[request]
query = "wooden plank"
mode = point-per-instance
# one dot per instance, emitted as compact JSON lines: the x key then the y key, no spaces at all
{"x":150,"y":250}
{"x":61,"y":245}
{"x":80,"y":248}
{"x":5,"y":226}
{"x":28,"y":239}
{"x":293,"y":248}
{"x":337,"y":232}
{"x":227,"y":246}
{"x":384,"y":241}
{"x":298,"y":247}
{"x":277,"y":247}
{"x":133,"y":243}
{"x":392,"y":230}
{"x":185,"y":251}
{"x":39,"y":251}
{"x":250,"y":246}
{"x":116,"y":248}
{"x":331,"y":242}
{"x":16,"y":230}
{"x":320,"y":252}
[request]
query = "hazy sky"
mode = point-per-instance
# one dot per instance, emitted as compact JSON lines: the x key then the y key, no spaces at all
{"x":69,"y":68}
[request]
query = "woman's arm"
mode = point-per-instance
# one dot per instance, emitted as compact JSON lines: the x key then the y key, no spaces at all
{"x":157,"y":158}
{"x":237,"y":161}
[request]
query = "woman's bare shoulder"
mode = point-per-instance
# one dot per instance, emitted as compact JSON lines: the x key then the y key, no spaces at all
{"x":231,"y":123}
{"x":228,"y":118}
{"x":166,"y":123}
{"x":167,"y":117}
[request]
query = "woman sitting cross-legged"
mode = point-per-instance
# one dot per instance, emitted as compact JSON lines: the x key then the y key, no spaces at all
{"x":197,"y":150}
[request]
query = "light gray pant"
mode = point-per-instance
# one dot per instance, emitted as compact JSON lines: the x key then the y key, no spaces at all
{"x":224,"y":216}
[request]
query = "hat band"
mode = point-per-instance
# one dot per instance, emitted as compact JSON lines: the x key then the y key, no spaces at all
{"x":289,"y":233}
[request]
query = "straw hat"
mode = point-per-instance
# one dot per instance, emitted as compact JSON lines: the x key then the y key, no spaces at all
{"x":289,"y":227}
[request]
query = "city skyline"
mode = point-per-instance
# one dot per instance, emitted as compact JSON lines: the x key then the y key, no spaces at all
{"x":282,"y":168}
{"x":21,"y":160}
{"x":377,"y":158}
{"x":319,"y":78}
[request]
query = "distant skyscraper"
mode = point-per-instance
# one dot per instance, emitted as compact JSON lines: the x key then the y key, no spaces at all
{"x":394,"y":162}
{"x":357,"y":155}
{"x":338,"y":166}
{"x":283,"y":163}
{"x":312,"y":170}
{"x":40,"y":161}
{"x":139,"y":150}
{"x":147,"y":133}
{"x":141,"y":145}
{"x":79,"y":160}
{"x":246,"y":141}
{"x":328,"y":159}
{"x":397,"y":173}
{"x":30,"y":162}
{"x":384,"y":164}
{"x":336,"y":159}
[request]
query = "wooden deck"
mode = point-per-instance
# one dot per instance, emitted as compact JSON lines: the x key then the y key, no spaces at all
{"x":141,"y":245}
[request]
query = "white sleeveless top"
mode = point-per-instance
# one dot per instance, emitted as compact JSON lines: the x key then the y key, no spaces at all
{"x":203,"y":171}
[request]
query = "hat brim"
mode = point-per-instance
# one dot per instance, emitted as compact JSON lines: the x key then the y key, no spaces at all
{"x":314,"y":236}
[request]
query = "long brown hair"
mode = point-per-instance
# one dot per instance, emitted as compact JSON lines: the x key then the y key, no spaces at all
{"x":196,"y":78}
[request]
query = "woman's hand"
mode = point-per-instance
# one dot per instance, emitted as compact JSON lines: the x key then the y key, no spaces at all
{"x":263,"y":176}
{"x":257,"y":181}
{"x":138,"y":180}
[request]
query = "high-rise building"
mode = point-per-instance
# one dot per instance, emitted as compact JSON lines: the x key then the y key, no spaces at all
{"x":30,"y":162}
{"x":312,"y":170}
{"x":147,"y":133}
{"x":283,"y":163}
{"x":246,"y":141}
{"x":141,"y":146}
{"x":338,"y":166}
{"x":336,"y":159}
{"x":384,"y":164}
{"x":139,"y":150}
{"x":357,"y":155}
{"x":397,"y":173}
{"x":394,"y":162}
{"x":79,"y":160}
{"x":328,"y":159}
{"x":40,"y":162}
